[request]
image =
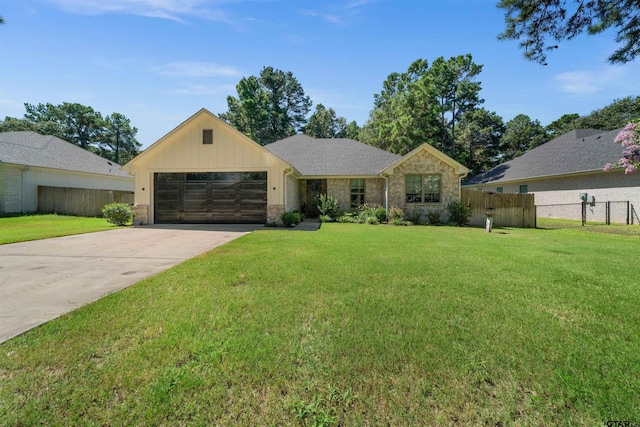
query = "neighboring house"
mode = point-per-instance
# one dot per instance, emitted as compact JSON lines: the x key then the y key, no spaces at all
{"x":205,"y":171}
{"x":28,"y":159}
{"x":561,"y":170}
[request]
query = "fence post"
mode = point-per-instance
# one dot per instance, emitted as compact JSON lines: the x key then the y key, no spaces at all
{"x":607,"y":213}
{"x":584,"y":212}
{"x":628,"y":211}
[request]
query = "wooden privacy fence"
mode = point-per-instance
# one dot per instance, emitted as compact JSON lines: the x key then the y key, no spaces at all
{"x":79,"y":201}
{"x":508,"y":209}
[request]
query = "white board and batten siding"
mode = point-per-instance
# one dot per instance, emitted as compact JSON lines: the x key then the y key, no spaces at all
{"x":182,"y":150}
{"x":20,"y":188}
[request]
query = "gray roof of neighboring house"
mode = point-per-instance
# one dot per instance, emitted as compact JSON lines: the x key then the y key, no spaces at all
{"x":580,"y":150}
{"x":46,"y":151}
{"x":331,"y":157}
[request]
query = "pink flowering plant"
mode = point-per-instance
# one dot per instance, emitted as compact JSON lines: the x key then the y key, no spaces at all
{"x":629,"y":138}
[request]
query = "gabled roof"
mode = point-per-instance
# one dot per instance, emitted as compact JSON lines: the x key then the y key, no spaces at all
{"x":203,"y":111}
{"x":46,"y":151}
{"x":579,"y":151}
{"x":459,"y":168}
{"x":331,"y":156}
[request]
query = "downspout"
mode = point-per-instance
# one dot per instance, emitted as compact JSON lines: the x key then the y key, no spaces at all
{"x":460,"y":185}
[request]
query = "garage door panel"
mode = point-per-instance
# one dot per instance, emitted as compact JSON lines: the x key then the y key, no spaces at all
{"x":210,"y":197}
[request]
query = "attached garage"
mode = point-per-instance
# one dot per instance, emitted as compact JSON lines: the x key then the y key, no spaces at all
{"x":206,"y":172}
{"x":210,"y":197}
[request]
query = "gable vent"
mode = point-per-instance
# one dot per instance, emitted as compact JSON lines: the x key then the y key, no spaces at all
{"x":207,"y":136}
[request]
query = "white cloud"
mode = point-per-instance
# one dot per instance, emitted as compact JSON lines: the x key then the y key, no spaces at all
{"x":578,"y":82}
{"x":197,"y":69}
{"x":616,"y":80}
{"x":205,"y":90}
{"x":174,"y":10}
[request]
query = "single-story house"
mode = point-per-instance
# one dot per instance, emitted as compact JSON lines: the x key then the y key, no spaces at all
{"x":29,"y":160}
{"x":561,"y":171}
{"x":205,"y":171}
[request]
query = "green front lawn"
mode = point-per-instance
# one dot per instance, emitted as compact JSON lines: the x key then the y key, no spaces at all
{"x":350,"y":325}
{"x":34,"y":227}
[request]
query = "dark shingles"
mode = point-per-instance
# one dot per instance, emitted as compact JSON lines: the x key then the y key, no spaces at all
{"x":331,"y":157}
{"x":46,"y":151}
{"x":581,"y":150}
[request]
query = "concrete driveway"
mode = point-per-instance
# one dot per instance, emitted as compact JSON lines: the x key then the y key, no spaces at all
{"x":43,"y":279}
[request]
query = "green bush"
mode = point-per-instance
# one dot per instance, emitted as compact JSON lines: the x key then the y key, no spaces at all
{"x":118,"y":213}
{"x":434,"y":217}
{"x":380,"y":213}
{"x":414,"y":216}
{"x":347,"y":217}
{"x":372,"y":220}
{"x":328,"y":205}
{"x":290,"y":219}
{"x":325,"y":218}
{"x":459,"y":214}
{"x":396,"y":213}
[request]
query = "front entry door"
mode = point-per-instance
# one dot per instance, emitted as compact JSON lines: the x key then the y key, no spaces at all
{"x":315,"y":187}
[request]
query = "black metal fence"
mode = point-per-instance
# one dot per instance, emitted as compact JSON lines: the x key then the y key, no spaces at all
{"x":610,"y":212}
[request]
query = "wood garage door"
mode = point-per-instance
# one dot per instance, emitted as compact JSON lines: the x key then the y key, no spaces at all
{"x":210,"y":197}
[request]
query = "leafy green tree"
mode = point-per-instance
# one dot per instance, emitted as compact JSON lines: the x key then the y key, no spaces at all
{"x":564,"y":124}
{"x":249,"y":113}
{"x":540,"y":24}
{"x":614,"y":116}
{"x":268,"y":108}
{"x":10,"y":124}
{"x":118,"y":139}
{"x":324,"y":123}
{"x":479,"y":140}
{"x":423,"y":104}
{"x":111,"y":137}
{"x":404,"y":114}
{"x":352,"y":131}
{"x":455,"y":91}
{"x":78,"y":124}
{"x":521,"y":134}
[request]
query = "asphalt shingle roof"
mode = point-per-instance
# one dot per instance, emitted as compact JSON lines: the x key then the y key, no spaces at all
{"x":580,"y":150}
{"x":331,"y":157}
{"x":46,"y":151}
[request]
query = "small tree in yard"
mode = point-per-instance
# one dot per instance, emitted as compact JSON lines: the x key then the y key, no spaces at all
{"x":118,"y":213}
{"x":629,"y":138}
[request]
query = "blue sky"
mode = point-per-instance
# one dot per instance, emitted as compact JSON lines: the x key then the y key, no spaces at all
{"x":159,"y":61}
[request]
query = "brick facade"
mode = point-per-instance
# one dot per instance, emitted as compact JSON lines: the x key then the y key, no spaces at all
{"x":420,"y":164}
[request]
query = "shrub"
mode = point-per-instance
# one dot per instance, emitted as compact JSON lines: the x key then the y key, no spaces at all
{"x":398,"y":221}
{"x":347,"y":217}
{"x":459,"y":214}
{"x":396,"y":213}
{"x":434,"y":217}
{"x":325,"y":218}
{"x":372,"y":220}
{"x":414,"y":216}
{"x":118,"y":213}
{"x":289,"y":219}
{"x":328,"y":205}
{"x":380,"y":213}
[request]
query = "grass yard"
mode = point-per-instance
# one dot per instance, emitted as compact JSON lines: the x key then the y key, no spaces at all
{"x":350,"y":325}
{"x":22,"y":228}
